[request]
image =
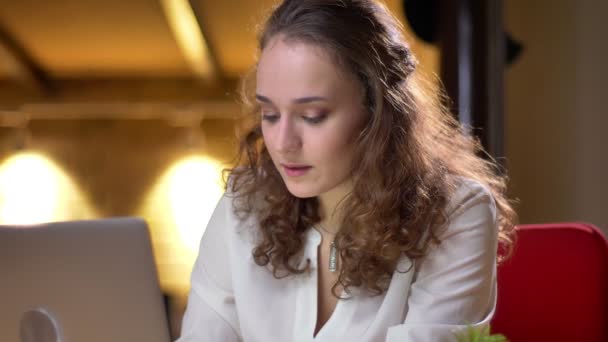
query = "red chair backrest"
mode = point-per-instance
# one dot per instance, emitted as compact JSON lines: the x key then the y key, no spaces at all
{"x":555,"y":285}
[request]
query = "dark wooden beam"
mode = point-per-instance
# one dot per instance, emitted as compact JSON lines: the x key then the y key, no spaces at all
{"x":23,"y":67}
{"x":471,"y":40}
{"x":218,"y":72}
{"x":165,"y":90}
{"x":489,"y":76}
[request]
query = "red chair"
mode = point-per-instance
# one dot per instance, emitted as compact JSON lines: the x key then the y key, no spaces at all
{"x":555,"y":286}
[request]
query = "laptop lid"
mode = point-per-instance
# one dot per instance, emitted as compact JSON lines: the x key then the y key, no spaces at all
{"x":91,"y":281}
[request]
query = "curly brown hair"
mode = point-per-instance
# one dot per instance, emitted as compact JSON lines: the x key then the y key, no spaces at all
{"x":407,"y":156}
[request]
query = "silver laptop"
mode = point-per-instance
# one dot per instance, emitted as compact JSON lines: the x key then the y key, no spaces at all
{"x":80,"y":281}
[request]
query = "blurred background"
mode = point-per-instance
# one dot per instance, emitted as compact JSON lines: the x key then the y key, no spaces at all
{"x":128,"y":108}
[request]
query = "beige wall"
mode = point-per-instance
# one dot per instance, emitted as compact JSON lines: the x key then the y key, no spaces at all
{"x":556,"y":122}
{"x":115,"y":165}
{"x":592,"y":93}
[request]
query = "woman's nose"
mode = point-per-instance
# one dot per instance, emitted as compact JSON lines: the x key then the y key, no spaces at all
{"x":288,"y":137}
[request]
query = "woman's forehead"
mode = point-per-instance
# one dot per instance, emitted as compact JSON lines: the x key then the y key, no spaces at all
{"x":299,"y":68}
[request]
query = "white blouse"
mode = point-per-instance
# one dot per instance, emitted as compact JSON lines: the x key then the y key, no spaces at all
{"x":454,"y":285}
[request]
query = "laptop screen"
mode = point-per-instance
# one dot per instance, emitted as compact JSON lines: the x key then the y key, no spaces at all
{"x":89,"y":280}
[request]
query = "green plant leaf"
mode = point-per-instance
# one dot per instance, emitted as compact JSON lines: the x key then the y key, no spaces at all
{"x":481,"y":334}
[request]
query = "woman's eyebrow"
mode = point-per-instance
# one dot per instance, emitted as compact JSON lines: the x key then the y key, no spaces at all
{"x":309,"y":99}
{"x":263,"y":99}
{"x":301,"y":100}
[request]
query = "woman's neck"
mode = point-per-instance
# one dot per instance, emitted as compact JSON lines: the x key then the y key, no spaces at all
{"x":330,"y":206}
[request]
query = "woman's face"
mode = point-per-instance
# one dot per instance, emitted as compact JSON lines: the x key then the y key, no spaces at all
{"x":312,"y":112}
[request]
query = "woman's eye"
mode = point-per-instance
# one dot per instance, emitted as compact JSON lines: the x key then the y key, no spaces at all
{"x":315,"y":119}
{"x":270,"y":117}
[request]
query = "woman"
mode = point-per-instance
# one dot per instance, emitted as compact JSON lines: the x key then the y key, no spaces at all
{"x":360,"y":211}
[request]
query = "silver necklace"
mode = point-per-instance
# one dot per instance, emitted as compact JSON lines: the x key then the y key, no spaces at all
{"x":333,"y":251}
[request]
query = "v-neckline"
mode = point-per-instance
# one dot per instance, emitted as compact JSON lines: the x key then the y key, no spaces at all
{"x":346,"y":314}
{"x":316,"y":241}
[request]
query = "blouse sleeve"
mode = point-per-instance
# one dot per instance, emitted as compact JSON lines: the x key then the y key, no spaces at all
{"x":455,"y":285}
{"x":211,"y":313}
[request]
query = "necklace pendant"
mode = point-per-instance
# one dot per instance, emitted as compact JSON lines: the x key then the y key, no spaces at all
{"x":333,"y":257}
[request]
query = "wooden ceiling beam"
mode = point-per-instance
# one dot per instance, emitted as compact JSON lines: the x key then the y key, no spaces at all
{"x":167,"y":90}
{"x":189,"y":33}
{"x":211,"y":48}
{"x":21,"y":65}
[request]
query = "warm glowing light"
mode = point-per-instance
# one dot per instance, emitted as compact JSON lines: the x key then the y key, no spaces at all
{"x":189,"y":36}
{"x":34,"y":190}
{"x":194,"y":186}
{"x":178,"y":209}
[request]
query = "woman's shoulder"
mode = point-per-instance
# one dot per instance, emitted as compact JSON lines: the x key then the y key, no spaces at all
{"x":240,"y":217}
{"x":468,"y":192}
{"x":471,"y":206}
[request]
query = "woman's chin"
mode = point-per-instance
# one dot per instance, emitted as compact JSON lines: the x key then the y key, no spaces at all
{"x":302,"y":191}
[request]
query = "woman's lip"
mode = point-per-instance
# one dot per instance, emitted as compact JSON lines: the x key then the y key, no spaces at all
{"x":296,"y":171}
{"x":295,"y":166}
